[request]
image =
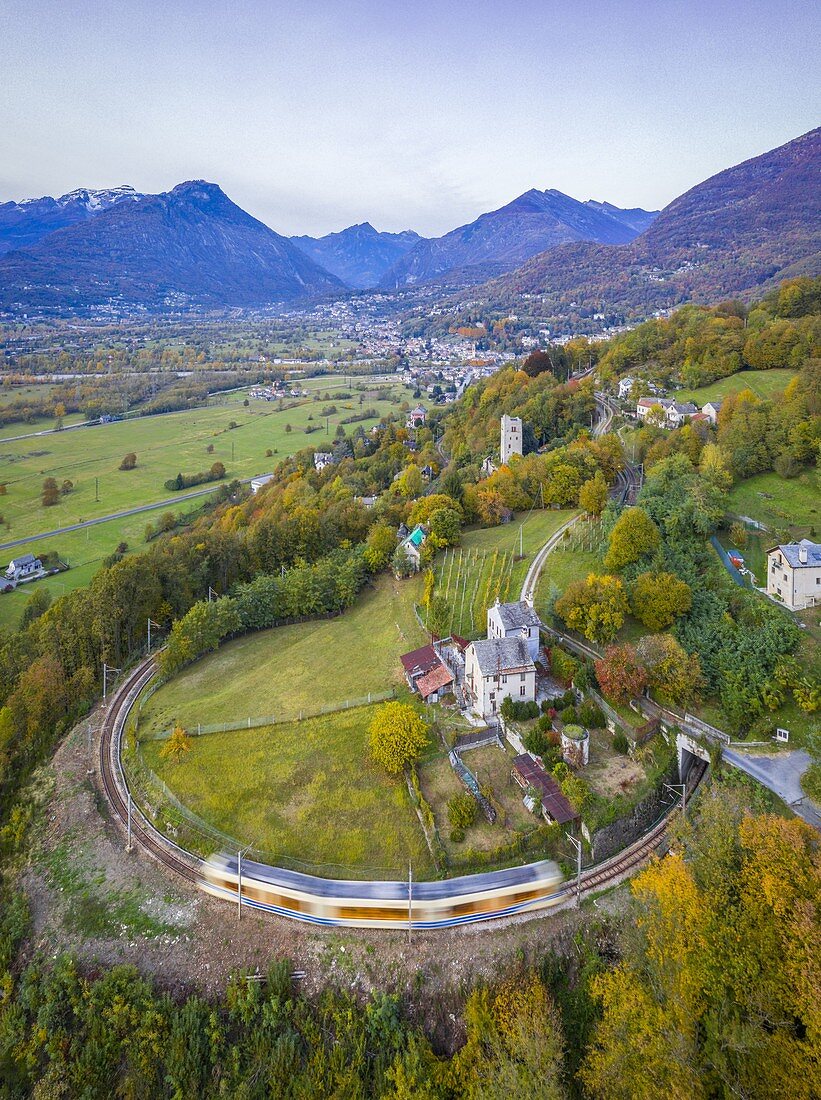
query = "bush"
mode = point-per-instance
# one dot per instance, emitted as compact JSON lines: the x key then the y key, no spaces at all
{"x":516,"y":710}
{"x":461,"y":812}
{"x":762,"y":729}
{"x":591,"y":716}
{"x":620,"y":742}
{"x":569,"y":715}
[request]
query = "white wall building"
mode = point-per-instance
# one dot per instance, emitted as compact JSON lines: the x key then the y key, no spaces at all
{"x":258,"y":482}
{"x":794,"y":574}
{"x":511,"y":437}
{"x":515,"y":620}
{"x":496,"y":668}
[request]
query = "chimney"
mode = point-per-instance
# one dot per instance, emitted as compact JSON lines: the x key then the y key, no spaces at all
{"x":802,"y":553}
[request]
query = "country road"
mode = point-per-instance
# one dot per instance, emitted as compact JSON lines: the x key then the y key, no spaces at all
{"x":169,"y":502}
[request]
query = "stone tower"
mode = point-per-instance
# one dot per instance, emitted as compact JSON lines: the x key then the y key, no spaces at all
{"x":511,"y":437}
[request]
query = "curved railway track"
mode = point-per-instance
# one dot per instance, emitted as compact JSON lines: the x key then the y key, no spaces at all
{"x":177,"y":860}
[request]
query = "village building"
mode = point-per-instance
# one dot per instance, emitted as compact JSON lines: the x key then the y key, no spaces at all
{"x":511,"y":437}
{"x":794,"y":574}
{"x":645,"y":404}
{"x":258,"y":482}
{"x":322,"y":459}
{"x":530,"y":775}
{"x":711,"y":411}
{"x":426,"y":673}
{"x":515,"y":620}
{"x":625,"y":386}
{"x":677,"y":413}
{"x":417,"y":417}
{"x":412,"y":545}
{"x":24,"y":568}
{"x":498,"y":668}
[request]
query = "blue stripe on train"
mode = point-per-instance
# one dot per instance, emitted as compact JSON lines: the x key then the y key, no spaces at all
{"x":335,"y":922}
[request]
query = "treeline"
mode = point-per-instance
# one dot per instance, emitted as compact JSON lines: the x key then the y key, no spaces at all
{"x":188,"y":481}
{"x":707,"y":987}
{"x":699,"y":344}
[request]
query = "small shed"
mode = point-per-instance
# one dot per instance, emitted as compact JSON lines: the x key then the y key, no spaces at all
{"x":529,"y":774}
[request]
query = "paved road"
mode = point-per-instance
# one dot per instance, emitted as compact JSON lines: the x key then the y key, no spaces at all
{"x":170,"y":501}
{"x":780,"y":773}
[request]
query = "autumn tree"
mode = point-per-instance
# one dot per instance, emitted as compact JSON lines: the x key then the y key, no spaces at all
{"x":177,"y":745}
{"x":217,"y":471}
{"x":674,"y":674}
{"x":593,"y":494}
{"x":51,"y":492}
{"x":620,"y":674}
{"x":397,"y":736}
{"x":634,"y":534}
{"x":129,"y":461}
{"x":659,"y":598}
{"x":380,"y":545}
{"x":596,"y":607}
{"x":410,"y":483}
{"x":445,"y":526}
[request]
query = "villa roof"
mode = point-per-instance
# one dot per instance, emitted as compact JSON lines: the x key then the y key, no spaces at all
{"x":434,"y":680}
{"x":516,"y":615}
{"x":502,"y":655}
{"x":791,"y":549}
{"x":419,"y":662}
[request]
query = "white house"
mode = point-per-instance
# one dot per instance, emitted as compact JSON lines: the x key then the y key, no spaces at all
{"x":711,"y":410}
{"x":322,"y":459}
{"x":677,"y":413}
{"x":24,"y":568}
{"x":258,"y":482}
{"x":794,"y":574}
{"x":412,"y":545}
{"x":645,"y":404}
{"x":515,"y":620}
{"x":496,"y":668}
{"x":511,"y":437}
{"x":625,"y":386}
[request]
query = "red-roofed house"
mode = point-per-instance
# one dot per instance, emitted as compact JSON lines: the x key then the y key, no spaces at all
{"x":432,"y":684}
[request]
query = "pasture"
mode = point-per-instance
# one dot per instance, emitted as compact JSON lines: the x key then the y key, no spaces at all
{"x":792,"y":505}
{"x":764,"y":384}
{"x":165,"y":445}
{"x":487,"y":566}
{"x":302,"y":792}
{"x":297,"y":668}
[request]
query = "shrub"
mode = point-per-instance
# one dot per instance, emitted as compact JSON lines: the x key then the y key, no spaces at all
{"x":461,"y":812}
{"x":129,"y":461}
{"x":591,"y":716}
{"x":457,"y":835}
{"x":516,"y":710}
{"x":620,"y":742}
{"x":568,"y":715}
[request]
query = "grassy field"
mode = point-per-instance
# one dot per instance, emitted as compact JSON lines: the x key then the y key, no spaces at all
{"x":763,"y":383}
{"x":297,"y":668}
{"x":164,"y":445}
{"x":793,"y":504}
{"x":305,"y":791}
{"x":487,"y":565}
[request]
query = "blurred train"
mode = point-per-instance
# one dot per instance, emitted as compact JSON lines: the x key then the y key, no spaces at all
{"x":336,"y":902}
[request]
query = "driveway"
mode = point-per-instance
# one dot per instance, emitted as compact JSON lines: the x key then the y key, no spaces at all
{"x":780,"y":773}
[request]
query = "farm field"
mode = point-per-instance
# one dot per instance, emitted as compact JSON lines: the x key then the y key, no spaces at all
{"x":164,"y":445}
{"x":763,"y":383}
{"x":780,"y":503}
{"x":484,"y":567}
{"x":304,"y":792}
{"x":84,"y":551}
{"x":299,"y":667}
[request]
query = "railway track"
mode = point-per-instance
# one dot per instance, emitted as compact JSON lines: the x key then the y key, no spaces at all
{"x":180,"y":862}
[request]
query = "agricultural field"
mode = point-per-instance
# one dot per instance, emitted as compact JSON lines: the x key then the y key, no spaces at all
{"x":164,"y":445}
{"x":487,"y":566}
{"x":764,"y":384}
{"x":305,"y":793}
{"x":297,"y":668}
{"x":792,"y":505}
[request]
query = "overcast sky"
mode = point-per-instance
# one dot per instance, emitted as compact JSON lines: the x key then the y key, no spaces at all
{"x":407,"y":113}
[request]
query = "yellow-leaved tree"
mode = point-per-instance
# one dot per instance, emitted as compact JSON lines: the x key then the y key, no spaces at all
{"x":397,"y":736}
{"x":177,"y":745}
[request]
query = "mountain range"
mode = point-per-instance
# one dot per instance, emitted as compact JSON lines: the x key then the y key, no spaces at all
{"x":359,"y":255}
{"x":191,"y":248}
{"x":740,"y":231}
{"x":188,"y":247}
{"x":503,"y":239}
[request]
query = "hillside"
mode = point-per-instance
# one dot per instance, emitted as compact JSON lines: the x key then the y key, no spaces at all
{"x":502,"y":239}
{"x":741,"y":230}
{"x":359,"y":255}
{"x":190,"y":246}
{"x":23,"y":224}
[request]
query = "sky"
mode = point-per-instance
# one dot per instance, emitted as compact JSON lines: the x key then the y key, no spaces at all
{"x":406,"y":113}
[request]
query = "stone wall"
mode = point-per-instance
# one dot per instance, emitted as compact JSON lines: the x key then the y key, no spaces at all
{"x":618,"y":834}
